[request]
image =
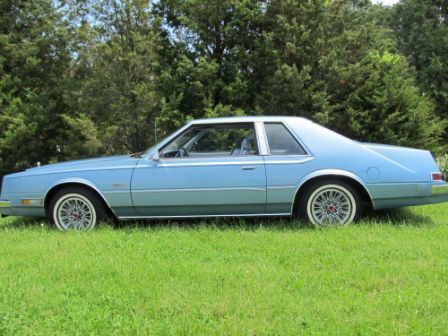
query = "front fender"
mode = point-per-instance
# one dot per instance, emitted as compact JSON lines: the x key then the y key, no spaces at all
{"x":77,"y":181}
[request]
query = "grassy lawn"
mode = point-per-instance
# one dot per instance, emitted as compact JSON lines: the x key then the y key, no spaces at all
{"x":387,"y":275}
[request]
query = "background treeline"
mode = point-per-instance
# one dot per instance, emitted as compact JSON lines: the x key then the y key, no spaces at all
{"x":92,"y":77}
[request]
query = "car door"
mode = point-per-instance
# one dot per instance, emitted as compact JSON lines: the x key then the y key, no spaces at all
{"x":287,"y":162}
{"x":209,"y":169}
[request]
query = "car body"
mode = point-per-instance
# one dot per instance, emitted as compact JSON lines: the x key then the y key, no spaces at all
{"x":197,"y":172}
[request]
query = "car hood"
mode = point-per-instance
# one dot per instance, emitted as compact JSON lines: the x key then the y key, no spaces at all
{"x":122,"y":161}
{"x":417,"y":161}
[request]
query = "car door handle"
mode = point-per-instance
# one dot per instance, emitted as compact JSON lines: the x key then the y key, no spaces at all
{"x":248,"y":167}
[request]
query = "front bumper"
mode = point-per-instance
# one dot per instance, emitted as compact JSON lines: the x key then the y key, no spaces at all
{"x":4,"y":205}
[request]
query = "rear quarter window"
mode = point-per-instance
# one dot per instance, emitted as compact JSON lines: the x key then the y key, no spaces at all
{"x":281,"y":141}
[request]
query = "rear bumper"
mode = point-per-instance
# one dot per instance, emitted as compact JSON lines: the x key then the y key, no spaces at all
{"x":396,"y":195}
{"x":440,"y":189}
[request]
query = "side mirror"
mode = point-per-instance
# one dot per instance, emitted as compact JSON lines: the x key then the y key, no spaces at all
{"x":155,"y":156}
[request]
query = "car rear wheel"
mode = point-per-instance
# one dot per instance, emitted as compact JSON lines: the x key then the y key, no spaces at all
{"x":330,"y":203}
{"x":76,"y":208}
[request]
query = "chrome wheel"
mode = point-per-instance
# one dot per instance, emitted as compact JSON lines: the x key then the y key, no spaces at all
{"x":74,"y":211}
{"x":331,"y":205}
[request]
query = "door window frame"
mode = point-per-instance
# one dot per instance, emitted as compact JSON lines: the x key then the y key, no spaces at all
{"x":188,"y":127}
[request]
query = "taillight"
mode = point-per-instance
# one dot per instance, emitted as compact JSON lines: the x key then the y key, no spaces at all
{"x":437,"y":176}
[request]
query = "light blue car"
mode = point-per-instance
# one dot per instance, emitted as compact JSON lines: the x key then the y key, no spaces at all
{"x":244,"y":166}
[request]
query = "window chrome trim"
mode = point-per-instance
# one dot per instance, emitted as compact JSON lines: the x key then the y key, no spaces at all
{"x":261,"y":138}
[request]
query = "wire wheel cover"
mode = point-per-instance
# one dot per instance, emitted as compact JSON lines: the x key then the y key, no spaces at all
{"x":74,"y":211}
{"x":331,"y":205}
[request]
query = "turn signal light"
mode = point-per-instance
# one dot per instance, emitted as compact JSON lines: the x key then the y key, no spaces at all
{"x":437,"y":176}
{"x":31,"y":201}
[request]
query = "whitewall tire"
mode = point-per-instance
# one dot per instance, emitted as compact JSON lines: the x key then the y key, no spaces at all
{"x":329,"y":204}
{"x":75,"y":208}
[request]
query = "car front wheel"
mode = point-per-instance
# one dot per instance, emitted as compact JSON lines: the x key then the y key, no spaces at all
{"x":330,"y":204}
{"x":75,"y":209}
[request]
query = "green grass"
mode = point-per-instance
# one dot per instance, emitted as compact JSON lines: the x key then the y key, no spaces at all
{"x":386,"y":275}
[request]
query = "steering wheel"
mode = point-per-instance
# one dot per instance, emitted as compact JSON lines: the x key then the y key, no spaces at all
{"x":181,"y":153}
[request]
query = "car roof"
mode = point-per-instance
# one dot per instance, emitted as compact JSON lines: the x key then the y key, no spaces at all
{"x":247,"y":119}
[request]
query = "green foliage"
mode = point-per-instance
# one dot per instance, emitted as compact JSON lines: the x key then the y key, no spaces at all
{"x":118,"y":73}
{"x":82,"y":138}
{"x":421,"y":28}
{"x":34,"y":58}
{"x":379,"y":102}
{"x":94,"y":77}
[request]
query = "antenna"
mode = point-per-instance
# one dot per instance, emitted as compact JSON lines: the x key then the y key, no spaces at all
{"x":155,"y":129}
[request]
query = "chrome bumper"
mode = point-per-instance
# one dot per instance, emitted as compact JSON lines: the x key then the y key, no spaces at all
{"x":5,"y":204}
{"x":440,"y":189}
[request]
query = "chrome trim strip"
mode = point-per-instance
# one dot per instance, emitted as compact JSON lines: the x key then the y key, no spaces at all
{"x":5,"y":204}
{"x":282,"y":187}
{"x":279,"y":161}
{"x":303,"y":159}
{"x":197,"y":189}
{"x":204,"y":164}
{"x":122,"y":191}
{"x":206,"y":216}
{"x":37,"y":173}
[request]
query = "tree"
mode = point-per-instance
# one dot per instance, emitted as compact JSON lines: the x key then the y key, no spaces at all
{"x":335,"y":63}
{"x":421,"y":28}
{"x":117,"y":71}
{"x":90,"y":77}
{"x":34,"y":58}
{"x":213,"y":43}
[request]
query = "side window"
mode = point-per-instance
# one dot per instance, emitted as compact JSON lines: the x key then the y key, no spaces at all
{"x":281,"y":141}
{"x":213,"y":140}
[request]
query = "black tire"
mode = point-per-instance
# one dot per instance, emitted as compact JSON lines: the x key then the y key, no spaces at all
{"x":307,"y":207}
{"x":89,"y":202}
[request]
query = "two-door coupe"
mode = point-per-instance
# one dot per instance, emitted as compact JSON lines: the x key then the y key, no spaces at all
{"x":243,"y":166}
